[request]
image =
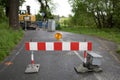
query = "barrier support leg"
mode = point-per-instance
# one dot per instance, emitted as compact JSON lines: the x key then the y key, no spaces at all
{"x":85,"y":58}
{"x":82,"y":67}
{"x":32,"y":58}
{"x":32,"y":68}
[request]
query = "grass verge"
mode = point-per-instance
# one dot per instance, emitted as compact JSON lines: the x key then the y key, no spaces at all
{"x":8,"y":39}
{"x":118,"y":51}
{"x":109,"y":34}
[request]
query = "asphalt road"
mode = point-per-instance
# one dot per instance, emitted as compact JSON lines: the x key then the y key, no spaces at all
{"x":58,"y":65}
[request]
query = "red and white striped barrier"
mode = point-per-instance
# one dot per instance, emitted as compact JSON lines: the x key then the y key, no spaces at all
{"x":58,"y":46}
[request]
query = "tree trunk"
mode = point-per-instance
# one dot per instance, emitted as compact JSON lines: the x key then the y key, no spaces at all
{"x":13,"y":14}
{"x":95,"y":18}
{"x":103,"y":20}
{"x":98,"y":20}
{"x":7,"y":11}
{"x":110,"y":21}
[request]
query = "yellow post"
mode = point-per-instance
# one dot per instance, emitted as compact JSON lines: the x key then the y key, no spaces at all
{"x":58,"y":36}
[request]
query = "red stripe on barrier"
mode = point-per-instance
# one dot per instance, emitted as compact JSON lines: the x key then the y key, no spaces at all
{"x":27,"y":46}
{"x":89,"y":46}
{"x":74,"y":45}
{"x":58,"y":46}
{"x":41,"y":46}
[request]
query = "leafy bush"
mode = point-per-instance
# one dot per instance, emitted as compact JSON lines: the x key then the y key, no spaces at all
{"x":58,"y":27}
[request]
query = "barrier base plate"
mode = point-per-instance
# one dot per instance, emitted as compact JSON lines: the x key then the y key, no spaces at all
{"x":81,"y":69}
{"x":98,"y":69}
{"x":32,"y":68}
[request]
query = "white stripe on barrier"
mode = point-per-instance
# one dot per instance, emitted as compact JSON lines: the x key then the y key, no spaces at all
{"x":49,"y":46}
{"x":65,"y":46}
{"x":83,"y":46}
{"x":33,"y":46}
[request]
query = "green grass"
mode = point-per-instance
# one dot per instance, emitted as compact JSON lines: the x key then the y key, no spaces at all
{"x":8,"y":39}
{"x":118,"y":51}
{"x":109,"y":34}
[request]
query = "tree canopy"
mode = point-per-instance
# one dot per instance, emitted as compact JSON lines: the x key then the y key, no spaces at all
{"x":45,"y":8}
{"x":105,"y":13}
